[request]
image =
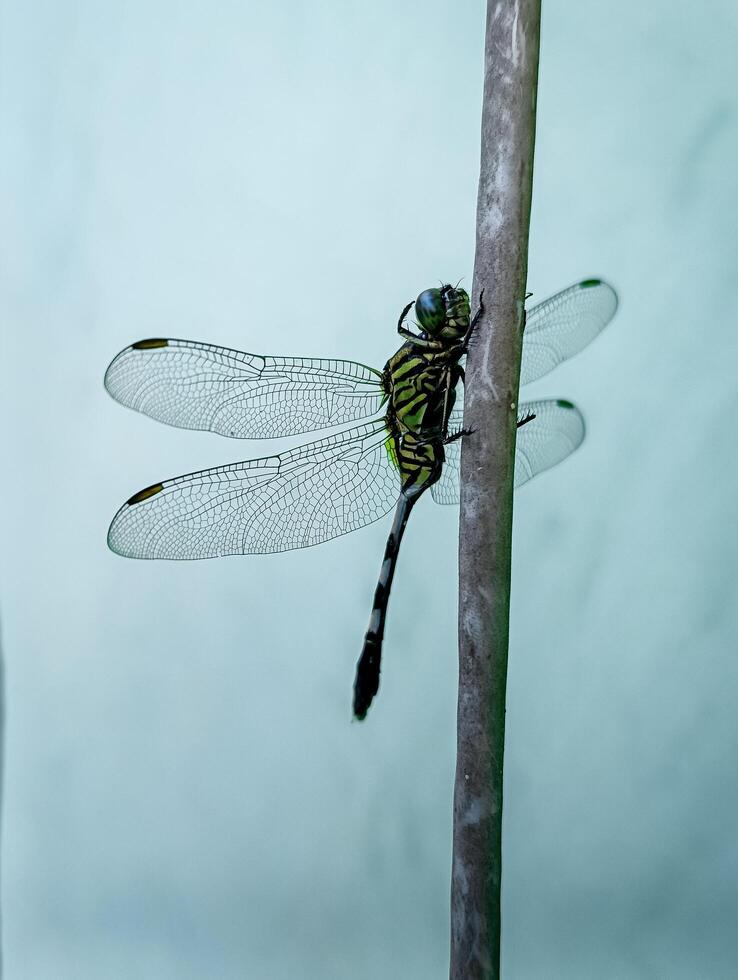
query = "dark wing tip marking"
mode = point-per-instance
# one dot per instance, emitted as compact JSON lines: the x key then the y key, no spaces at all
{"x":151,"y":344}
{"x":594,"y":283}
{"x":571,"y":407}
{"x":145,"y":494}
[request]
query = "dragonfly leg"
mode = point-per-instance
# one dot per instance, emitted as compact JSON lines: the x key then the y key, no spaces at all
{"x":401,"y":321}
{"x":421,"y":341}
{"x":475,"y":320}
{"x":458,"y":435}
{"x":525,"y":313}
{"x":449,"y":397}
{"x":468,"y":432}
{"x":480,"y":310}
{"x":409,"y":335}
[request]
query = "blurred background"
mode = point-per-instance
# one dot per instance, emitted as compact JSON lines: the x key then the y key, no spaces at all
{"x":185,"y":795}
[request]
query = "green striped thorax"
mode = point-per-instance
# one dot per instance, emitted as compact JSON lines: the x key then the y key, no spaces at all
{"x":443,"y":313}
{"x":420,"y":379}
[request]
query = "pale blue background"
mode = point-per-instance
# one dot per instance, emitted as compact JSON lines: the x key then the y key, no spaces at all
{"x":185,"y":796}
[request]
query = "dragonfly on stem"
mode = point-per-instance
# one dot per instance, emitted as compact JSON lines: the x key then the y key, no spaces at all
{"x":408,"y":440}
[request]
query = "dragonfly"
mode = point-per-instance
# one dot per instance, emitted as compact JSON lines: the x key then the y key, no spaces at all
{"x":405,"y":438}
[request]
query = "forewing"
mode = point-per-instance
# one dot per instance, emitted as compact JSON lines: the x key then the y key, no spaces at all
{"x":246,"y":396}
{"x":562,"y":325}
{"x":294,"y":500}
{"x":555,"y":432}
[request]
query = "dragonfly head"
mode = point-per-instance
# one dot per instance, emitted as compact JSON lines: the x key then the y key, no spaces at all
{"x":443,"y":313}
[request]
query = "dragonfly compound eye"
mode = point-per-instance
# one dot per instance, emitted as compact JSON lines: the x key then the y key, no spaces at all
{"x":430,"y":309}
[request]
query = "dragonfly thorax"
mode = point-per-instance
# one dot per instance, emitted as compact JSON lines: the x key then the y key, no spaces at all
{"x":443,"y":313}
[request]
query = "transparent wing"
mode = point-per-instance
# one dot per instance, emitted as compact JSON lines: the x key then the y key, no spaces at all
{"x":555,"y":432}
{"x":246,"y":396}
{"x":294,"y":500}
{"x":560,"y":326}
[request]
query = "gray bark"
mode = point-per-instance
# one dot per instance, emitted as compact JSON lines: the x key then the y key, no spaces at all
{"x":487,"y":465}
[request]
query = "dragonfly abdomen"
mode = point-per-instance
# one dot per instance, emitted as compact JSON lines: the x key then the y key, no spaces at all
{"x":366,"y":684}
{"x":420,"y":462}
